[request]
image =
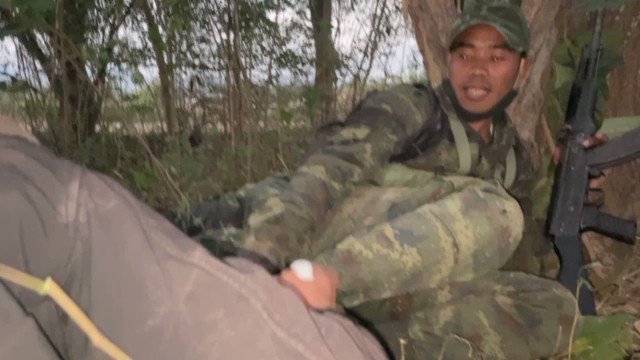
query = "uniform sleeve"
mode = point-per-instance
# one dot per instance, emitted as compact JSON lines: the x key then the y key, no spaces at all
{"x":384,"y":122}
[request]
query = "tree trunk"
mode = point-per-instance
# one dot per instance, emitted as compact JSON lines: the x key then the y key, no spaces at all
{"x":237,"y":65}
{"x":57,"y":47}
{"x":432,"y":21}
{"x":79,"y":109}
{"x":527,"y":110}
{"x":326,"y":57}
{"x":164,"y":71}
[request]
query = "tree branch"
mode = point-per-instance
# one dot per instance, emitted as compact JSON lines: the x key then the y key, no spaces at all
{"x":29,"y":41}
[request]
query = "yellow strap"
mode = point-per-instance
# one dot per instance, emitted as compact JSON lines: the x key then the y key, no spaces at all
{"x":510,"y":169}
{"x":462,"y":144}
{"x":55,"y":292}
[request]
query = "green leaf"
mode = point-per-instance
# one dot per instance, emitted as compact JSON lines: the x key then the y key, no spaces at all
{"x":286,"y":116}
{"x":612,"y":41}
{"x":614,"y":127}
{"x":605,"y":337}
{"x":137,"y":77}
{"x":42,"y":5}
{"x":143,"y":178}
{"x":38,"y":6}
{"x":613,"y":38}
{"x":563,"y":75}
{"x":11,"y":30}
{"x":14,"y":85}
{"x":575,"y":50}
{"x":594,"y":5}
{"x":561,"y":53}
{"x":156,"y":37}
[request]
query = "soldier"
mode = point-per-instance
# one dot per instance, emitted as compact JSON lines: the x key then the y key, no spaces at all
{"x":411,"y":201}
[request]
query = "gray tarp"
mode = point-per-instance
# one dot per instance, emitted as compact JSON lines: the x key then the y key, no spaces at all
{"x":151,"y":290}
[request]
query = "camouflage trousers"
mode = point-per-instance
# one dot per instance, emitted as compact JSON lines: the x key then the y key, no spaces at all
{"x":419,"y":257}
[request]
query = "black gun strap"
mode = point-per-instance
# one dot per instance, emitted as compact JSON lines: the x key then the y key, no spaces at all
{"x":573,"y":274}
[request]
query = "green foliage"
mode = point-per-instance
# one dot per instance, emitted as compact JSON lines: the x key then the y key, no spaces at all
{"x":313,"y":100}
{"x":28,"y":14}
{"x":615,"y":127}
{"x":286,"y":116}
{"x":14,"y":85}
{"x":605,"y":337}
{"x":34,"y":5}
{"x":143,"y":178}
{"x":594,"y":5}
{"x":567,"y":56}
{"x":156,"y":38}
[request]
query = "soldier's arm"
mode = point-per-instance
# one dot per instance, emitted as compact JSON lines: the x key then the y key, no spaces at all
{"x":378,"y":128}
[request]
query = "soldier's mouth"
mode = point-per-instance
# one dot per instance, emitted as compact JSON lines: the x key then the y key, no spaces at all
{"x":475,"y":93}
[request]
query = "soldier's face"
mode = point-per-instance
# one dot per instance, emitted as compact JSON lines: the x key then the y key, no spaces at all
{"x":483,"y":68}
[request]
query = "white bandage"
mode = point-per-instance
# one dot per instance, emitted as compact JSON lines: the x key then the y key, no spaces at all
{"x":303,"y":269}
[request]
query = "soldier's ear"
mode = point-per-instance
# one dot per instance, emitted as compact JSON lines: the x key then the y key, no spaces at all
{"x":523,"y":70}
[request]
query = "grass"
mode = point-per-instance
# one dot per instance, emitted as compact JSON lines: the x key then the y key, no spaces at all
{"x":169,"y":174}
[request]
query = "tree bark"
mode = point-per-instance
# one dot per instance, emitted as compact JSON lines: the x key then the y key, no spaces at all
{"x":78,"y":96}
{"x":527,"y":111}
{"x":432,"y":21}
{"x":164,"y":71}
{"x":326,"y":56}
{"x":79,"y":110}
{"x":235,"y":53}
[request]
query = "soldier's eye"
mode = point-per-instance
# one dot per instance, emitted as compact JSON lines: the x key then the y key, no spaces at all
{"x":497,"y":59}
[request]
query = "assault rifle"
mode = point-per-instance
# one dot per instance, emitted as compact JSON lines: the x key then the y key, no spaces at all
{"x":570,"y":214}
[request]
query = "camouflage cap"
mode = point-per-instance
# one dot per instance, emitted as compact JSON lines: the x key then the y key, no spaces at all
{"x":505,"y":16}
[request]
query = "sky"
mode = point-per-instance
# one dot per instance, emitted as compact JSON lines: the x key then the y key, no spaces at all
{"x":403,"y":59}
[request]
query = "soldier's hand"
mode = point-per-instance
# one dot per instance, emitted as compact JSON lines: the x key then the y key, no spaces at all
{"x":597,"y":139}
{"x":317,"y":286}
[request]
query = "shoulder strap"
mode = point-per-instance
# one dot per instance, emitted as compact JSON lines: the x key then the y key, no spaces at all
{"x":464,"y":153}
{"x":462,"y":144}
{"x":510,"y":169}
{"x":49,"y":287}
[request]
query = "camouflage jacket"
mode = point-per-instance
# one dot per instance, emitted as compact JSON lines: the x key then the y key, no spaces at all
{"x":407,"y":124}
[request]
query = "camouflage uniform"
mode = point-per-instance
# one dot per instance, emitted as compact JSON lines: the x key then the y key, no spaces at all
{"x":418,"y":245}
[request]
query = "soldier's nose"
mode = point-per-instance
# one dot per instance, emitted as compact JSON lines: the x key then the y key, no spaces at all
{"x":478,"y":69}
